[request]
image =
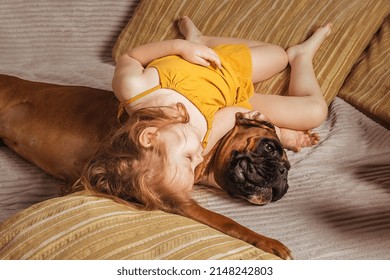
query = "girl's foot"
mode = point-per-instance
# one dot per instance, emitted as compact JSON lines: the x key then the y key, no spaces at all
{"x":291,"y":139}
{"x":296,"y":140}
{"x":189,"y":30}
{"x":310,"y":46}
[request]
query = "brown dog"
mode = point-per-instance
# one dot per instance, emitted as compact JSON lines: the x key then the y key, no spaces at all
{"x":59,"y":128}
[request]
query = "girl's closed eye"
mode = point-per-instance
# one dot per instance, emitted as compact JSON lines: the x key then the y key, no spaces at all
{"x":189,"y":157}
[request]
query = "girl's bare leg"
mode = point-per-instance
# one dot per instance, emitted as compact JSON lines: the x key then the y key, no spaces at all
{"x":273,"y":58}
{"x":305,"y":107}
{"x":192,"y":33}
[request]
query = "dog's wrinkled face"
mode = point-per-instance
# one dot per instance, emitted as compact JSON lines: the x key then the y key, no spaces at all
{"x":252,"y":163}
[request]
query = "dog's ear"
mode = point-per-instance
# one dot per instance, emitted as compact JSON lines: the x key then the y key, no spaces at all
{"x":268,"y":125}
{"x":147,"y":136}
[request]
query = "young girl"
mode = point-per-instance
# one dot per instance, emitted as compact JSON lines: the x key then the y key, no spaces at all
{"x":182,"y":97}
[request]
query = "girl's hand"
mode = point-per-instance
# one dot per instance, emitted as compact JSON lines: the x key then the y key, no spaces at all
{"x":199,"y":54}
{"x":255,"y":115}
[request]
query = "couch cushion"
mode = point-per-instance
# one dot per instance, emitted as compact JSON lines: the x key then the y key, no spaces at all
{"x":368,"y":85}
{"x":285,"y":23}
{"x":81,"y":226}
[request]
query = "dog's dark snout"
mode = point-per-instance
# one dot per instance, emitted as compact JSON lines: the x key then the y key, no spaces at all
{"x":279,"y":191}
{"x":283,"y":170}
{"x":287,"y":165}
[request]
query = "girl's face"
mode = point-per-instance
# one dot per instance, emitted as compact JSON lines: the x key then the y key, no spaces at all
{"x":184,"y":153}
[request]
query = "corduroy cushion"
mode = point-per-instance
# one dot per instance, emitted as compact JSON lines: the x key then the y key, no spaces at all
{"x":81,"y":226}
{"x":283,"y":22}
{"x":368,"y":85}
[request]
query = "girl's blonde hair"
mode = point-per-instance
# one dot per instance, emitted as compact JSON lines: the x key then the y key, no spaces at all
{"x":126,"y":171}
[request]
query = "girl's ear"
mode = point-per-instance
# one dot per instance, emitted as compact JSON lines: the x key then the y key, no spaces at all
{"x":147,"y":136}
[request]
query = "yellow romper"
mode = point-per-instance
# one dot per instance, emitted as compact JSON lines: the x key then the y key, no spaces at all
{"x":208,"y":88}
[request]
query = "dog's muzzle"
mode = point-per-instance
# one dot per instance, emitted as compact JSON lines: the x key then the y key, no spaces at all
{"x":257,"y":177}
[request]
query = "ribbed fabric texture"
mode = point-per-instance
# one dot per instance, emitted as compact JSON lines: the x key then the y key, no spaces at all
{"x":67,"y":41}
{"x":368,"y":85}
{"x":22,"y":184}
{"x":86,"y":227}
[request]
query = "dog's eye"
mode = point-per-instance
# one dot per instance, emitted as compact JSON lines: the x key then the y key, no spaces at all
{"x":270,"y":148}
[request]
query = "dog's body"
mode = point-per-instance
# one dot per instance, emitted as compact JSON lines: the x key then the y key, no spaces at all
{"x":59,"y":128}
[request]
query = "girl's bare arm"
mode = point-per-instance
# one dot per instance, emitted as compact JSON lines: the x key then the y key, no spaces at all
{"x":224,"y":121}
{"x":131,"y":76}
{"x":190,"y":51}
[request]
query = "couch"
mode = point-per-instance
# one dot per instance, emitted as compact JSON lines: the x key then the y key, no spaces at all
{"x":337,"y":204}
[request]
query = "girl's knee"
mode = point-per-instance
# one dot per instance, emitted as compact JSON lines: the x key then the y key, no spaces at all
{"x":319,"y":112}
{"x":267,"y":60}
{"x":282,"y":56}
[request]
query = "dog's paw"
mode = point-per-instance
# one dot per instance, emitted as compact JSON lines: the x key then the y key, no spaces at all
{"x":275,"y":247}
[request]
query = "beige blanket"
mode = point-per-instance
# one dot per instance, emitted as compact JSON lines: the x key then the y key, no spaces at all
{"x":338,"y":203}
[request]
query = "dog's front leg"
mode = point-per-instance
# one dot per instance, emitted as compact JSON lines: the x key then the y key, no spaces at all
{"x":234,"y":229}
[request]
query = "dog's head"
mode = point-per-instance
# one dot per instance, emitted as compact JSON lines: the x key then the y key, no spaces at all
{"x":250,"y":162}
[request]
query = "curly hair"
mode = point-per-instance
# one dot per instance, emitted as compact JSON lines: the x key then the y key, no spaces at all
{"x":126,"y":171}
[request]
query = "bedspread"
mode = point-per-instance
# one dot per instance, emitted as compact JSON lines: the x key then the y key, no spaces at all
{"x":337,"y":206}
